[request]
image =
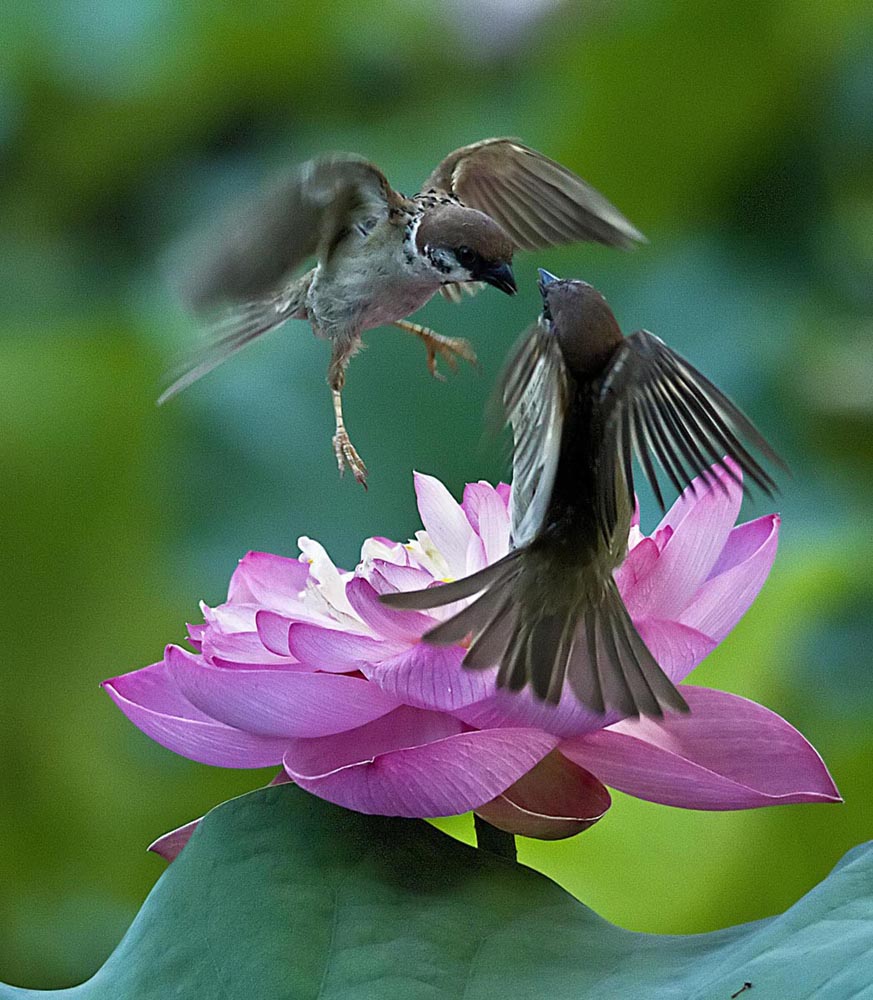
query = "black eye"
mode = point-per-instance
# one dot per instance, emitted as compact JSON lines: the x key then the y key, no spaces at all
{"x":466,"y":257}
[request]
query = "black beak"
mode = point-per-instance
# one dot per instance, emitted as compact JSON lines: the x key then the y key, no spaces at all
{"x":500,"y":276}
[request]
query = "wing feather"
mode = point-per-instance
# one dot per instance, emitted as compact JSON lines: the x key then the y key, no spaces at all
{"x":660,"y":407}
{"x":536,"y":200}
{"x":256,"y":249}
{"x":534,"y":391}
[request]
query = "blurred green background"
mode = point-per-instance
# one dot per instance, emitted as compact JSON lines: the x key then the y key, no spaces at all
{"x":738,"y":137}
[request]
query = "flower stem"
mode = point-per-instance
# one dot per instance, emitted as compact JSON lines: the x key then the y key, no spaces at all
{"x":489,"y":838}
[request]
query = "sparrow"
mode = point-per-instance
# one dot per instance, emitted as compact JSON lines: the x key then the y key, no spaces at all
{"x":582,"y":399}
{"x":380,"y":255}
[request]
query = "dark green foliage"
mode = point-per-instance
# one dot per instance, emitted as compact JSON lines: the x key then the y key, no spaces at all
{"x":281,"y":895}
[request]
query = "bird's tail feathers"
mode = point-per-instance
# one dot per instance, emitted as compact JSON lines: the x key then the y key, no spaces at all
{"x":609,"y":667}
{"x":594,"y":648}
{"x":229,"y":333}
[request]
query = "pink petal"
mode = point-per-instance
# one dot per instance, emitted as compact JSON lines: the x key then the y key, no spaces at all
{"x":700,"y":528}
{"x":445,"y":522}
{"x":554,"y":800}
{"x":431,"y":677}
{"x":736,"y":579}
{"x":677,"y":648}
{"x":170,"y":845}
{"x":504,"y":491}
{"x":195,"y":634}
{"x":402,"y":626}
{"x":388,"y":577}
{"x":488,"y":517}
{"x":278,"y":703}
{"x":415,"y":763}
{"x":239,"y":649}
{"x":230,"y":617}
{"x":154,"y":704}
{"x":337,"y":650}
{"x":685,"y":504}
{"x":273,"y":632}
{"x":728,"y":753}
{"x":640,"y":561}
{"x":268,"y":581}
{"x":507,"y":708}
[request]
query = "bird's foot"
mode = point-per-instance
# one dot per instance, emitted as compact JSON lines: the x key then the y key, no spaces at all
{"x":347,"y":457}
{"x":450,"y":349}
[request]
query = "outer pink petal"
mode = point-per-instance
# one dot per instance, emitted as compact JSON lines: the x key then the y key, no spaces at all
{"x":431,"y":677}
{"x":336,"y":650}
{"x":445,"y":522}
{"x":230,"y":617}
{"x":415,"y":763}
{"x":281,"y":703}
{"x":488,"y":517}
{"x":402,"y":626}
{"x":506,"y":708}
{"x":554,"y":800}
{"x":153,"y":703}
{"x":736,"y":579}
{"x":728,"y":753}
{"x":639,"y":563}
{"x":273,"y":631}
{"x":333,"y":649}
{"x":388,"y":577}
{"x":677,"y":648}
{"x":267,"y":580}
{"x":195,"y":634}
{"x":169,"y":845}
{"x":233,"y":649}
{"x":700,"y":528}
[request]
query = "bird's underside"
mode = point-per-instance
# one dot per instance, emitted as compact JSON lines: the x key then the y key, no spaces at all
{"x":582,"y":400}
{"x":380,"y":255}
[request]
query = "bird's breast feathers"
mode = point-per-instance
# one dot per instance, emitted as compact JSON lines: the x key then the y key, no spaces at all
{"x":373,"y":280}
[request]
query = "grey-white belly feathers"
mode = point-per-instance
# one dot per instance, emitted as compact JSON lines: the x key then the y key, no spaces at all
{"x":369,"y":282}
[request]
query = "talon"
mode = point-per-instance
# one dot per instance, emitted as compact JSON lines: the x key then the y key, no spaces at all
{"x":347,"y":456}
{"x":448,"y":348}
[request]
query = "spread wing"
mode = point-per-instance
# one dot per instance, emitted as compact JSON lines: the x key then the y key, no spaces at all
{"x":657,"y":405}
{"x":257,"y":248}
{"x":535,"y":393}
{"x":538,"y":202}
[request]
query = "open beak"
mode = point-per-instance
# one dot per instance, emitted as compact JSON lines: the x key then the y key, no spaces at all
{"x":546,"y":279}
{"x":500,"y":276}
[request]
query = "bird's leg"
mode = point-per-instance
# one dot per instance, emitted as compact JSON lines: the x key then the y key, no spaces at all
{"x":342,"y":446}
{"x":449,"y":348}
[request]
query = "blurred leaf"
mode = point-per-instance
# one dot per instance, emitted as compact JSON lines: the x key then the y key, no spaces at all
{"x":280,"y":894}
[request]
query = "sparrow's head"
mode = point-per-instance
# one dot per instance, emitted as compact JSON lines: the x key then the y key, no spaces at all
{"x":580,"y":317}
{"x":466,"y":245}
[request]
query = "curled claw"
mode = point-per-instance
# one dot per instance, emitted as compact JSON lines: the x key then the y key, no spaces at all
{"x":347,"y":456}
{"x":450,"y":349}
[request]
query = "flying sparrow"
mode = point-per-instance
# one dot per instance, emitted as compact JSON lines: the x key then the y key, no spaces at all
{"x":582,"y":398}
{"x":380,"y":255}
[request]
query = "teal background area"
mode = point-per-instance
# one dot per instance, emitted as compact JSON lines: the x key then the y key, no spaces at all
{"x":738,"y":137}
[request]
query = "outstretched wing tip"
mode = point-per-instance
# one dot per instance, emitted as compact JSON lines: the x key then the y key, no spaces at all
{"x":660,"y":407}
{"x":536,"y":200}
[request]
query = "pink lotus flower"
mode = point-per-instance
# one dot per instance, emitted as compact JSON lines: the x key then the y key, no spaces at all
{"x":304,"y":667}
